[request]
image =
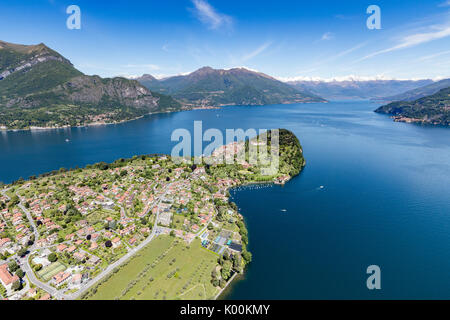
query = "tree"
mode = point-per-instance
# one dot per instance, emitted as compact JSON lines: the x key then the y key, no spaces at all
{"x":22,"y":252}
{"x":247,"y":256}
{"x":13,"y":266}
{"x":215,"y":282}
{"x":17,"y":285}
{"x":20,"y":273}
{"x":226,"y":270}
{"x":108,"y":244}
{"x":236,"y":262}
{"x":37,"y":267}
{"x":52,"y":257}
{"x":14,"y":201}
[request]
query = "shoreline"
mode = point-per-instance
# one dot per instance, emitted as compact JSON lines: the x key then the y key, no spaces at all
{"x":227,"y":285}
{"x":419,"y":121}
{"x":243,"y":185}
{"x":241,"y":276}
{"x":97,"y":124}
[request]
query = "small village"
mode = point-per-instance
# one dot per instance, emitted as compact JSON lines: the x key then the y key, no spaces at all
{"x":64,"y":234}
{"x":60,"y":232}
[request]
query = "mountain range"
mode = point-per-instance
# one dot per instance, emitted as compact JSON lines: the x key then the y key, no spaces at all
{"x":358,"y":89}
{"x":433,"y":109}
{"x":208,"y":87}
{"x":41,"y":88}
{"x":420,"y":92}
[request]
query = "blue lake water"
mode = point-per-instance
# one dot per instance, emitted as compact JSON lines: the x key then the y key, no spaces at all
{"x":385,"y":197}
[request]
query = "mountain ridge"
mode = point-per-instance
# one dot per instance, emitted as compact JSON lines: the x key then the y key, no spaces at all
{"x":220,"y":87}
{"x":41,"y":88}
{"x":357,"y":89}
{"x":433,"y":109}
{"x":420,"y":92}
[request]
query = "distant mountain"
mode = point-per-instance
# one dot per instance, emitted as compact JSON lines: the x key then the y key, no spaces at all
{"x":420,"y":92}
{"x":239,"y":86}
{"x":433,"y":109}
{"x":357,"y":89}
{"x":41,"y":88}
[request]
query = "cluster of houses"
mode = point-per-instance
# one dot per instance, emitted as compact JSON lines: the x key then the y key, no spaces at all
{"x":90,"y":240}
{"x":14,"y":223}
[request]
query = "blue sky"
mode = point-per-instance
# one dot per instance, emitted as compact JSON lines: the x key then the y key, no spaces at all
{"x":286,"y":39}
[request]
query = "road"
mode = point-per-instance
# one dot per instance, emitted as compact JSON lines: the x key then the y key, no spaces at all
{"x":27,"y":213}
{"x":24,"y":263}
{"x":52,"y":291}
{"x":31,"y":221}
{"x":4,"y":193}
{"x":122,"y":260}
{"x":61,"y":296}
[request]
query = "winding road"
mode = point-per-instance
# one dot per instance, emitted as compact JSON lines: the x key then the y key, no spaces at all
{"x":57,"y":293}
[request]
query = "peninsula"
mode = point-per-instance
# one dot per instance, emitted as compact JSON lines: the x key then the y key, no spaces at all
{"x":146,"y":228}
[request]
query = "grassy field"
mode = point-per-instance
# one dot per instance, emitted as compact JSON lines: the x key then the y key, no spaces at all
{"x":48,"y":272}
{"x":165,"y":269}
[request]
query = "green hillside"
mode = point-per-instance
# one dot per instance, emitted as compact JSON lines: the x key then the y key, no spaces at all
{"x":433,"y":109}
{"x":40,"y":88}
{"x":239,"y":86}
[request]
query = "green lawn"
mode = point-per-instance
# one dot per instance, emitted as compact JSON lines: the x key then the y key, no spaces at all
{"x":165,"y":269}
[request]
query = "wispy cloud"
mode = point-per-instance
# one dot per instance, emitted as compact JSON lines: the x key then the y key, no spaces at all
{"x":343,"y":53}
{"x":445,"y":4}
{"x":350,"y":77}
{"x":209,"y":16}
{"x":142,"y":66}
{"x":327,"y":36}
{"x":432,"y":56}
{"x":256,"y":52}
{"x":413,"y":40}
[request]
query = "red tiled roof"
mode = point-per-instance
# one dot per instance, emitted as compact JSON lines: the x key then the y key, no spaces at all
{"x":5,"y":276}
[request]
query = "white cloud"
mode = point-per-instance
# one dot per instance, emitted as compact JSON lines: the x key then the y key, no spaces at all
{"x":256,"y":52}
{"x":432,"y":56}
{"x":341,"y":78}
{"x":142,"y":66}
{"x":208,"y":15}
{"x":413,"y":40}
{"x":318,"y":65}
{"x":327,"y":36}
{"x":445,"y":4}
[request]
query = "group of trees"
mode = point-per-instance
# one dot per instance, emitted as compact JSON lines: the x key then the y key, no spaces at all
{"x":227,"y":264}
{"x":52,"y":257}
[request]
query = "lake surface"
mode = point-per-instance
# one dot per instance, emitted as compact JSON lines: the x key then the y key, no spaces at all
{"x":385,"y":198}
